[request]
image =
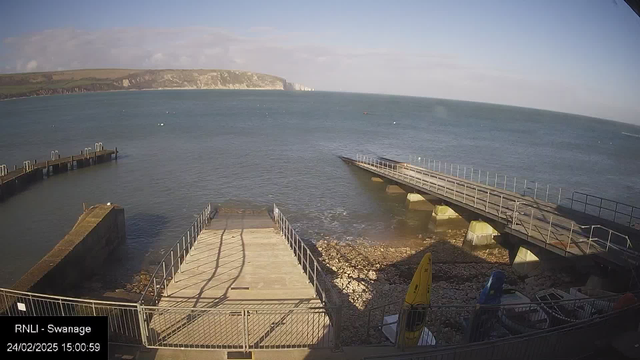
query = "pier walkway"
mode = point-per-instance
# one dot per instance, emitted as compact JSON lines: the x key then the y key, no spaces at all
{"x":241,"y":280}
{"x":533,"y":220}
{"x":16,"y":180}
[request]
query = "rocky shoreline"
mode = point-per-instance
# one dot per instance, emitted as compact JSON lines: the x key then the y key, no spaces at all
{"x":366,"y":276}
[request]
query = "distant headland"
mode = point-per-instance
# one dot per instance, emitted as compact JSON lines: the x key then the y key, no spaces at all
{"x":88,"y":80}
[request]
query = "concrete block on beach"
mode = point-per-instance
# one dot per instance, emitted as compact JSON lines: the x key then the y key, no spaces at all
{"x":394,"y":189}
{"x":480,"y":233}
{"x":418,"y":202}
{"x":525,"y":262}
{"x":376,"y":179}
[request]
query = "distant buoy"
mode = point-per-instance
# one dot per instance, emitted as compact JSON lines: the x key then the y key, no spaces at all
{"x":161,"y":124}
{"x":109,"y":203}
{"x":394,"y":123}
{"x":167,"y":112}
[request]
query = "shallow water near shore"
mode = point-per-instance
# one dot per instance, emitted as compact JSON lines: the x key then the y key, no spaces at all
{"x":257,"y":147}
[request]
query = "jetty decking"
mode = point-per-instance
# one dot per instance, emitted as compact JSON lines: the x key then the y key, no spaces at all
{"x":239,"y":259}
{"x":247,"y":282}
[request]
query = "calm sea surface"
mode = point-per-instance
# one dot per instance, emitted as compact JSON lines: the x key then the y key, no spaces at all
{"x":260,"y":147}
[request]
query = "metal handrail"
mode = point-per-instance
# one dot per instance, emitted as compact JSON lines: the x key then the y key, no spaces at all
{"x":169,"y":269}
{"x":55,"y":297}
{"x":305,"y":258}
{"x":493,"y":204}
{"x":516,"y":345}
{"x":495,"y":180}
{"x":614,"y":210}
{"x":378,"y":313}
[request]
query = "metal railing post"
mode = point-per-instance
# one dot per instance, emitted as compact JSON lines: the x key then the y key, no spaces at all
{"x":458,"y":171}
{"x":184,"y":251}
{"x":505,"y":183}
{"x":514,"y":184}
{"x":155,"y":289}
{"x":164,"y":274}
{"x":315,"y":278}
{"x":609,"y":240}
{"x":535,"y":192}
{"x":600,"y":208}
{"x":546,"y":198}
{"x":486,"y":207}
{"x":487,"y":178}
{"x":173,"y":272}
{"x":559,"y":194}
{"x":524,"y":190}
{"x":569,"y":243}
{"x":464,"y":196}
{"x":143,"y":323}
{"x":531,"y":220}
{"x":245,"y":331}
{"x":495,"y":182}
{"x":179,"y":270}
{"x":475,"y":204}
{"x":307,"y":264}
{"x":464,"y":173}
{"x":471,"y":173}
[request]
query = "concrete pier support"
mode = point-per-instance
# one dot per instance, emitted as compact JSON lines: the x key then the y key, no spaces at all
{"x":418,"y":202}
{"x":480,"y":233}
{"x":444,"y":218}
{"x":376,"y":179}
{"x":394,"y":189}
{"x":443,"y":212}
{"x":525,"y":262}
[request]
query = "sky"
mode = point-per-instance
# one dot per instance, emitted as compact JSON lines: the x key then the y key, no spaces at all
{"x":575,"y":56}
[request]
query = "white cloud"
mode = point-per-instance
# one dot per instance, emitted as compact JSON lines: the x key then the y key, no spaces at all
{"x":297,"y":58}
{"x":31,"y":66}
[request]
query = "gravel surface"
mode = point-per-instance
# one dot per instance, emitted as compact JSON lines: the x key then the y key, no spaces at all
{"x":366,"y":276}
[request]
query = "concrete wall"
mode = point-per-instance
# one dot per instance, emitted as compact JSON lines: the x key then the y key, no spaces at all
{"x":79,"y":254}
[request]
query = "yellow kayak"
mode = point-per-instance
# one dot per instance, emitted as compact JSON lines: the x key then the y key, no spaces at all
{"x":416,"y":302}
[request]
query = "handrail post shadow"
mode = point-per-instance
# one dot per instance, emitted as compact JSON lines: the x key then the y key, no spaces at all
{"x":569,"y":242}
{"x":337,"y":328}
{"x":400,"y":328}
